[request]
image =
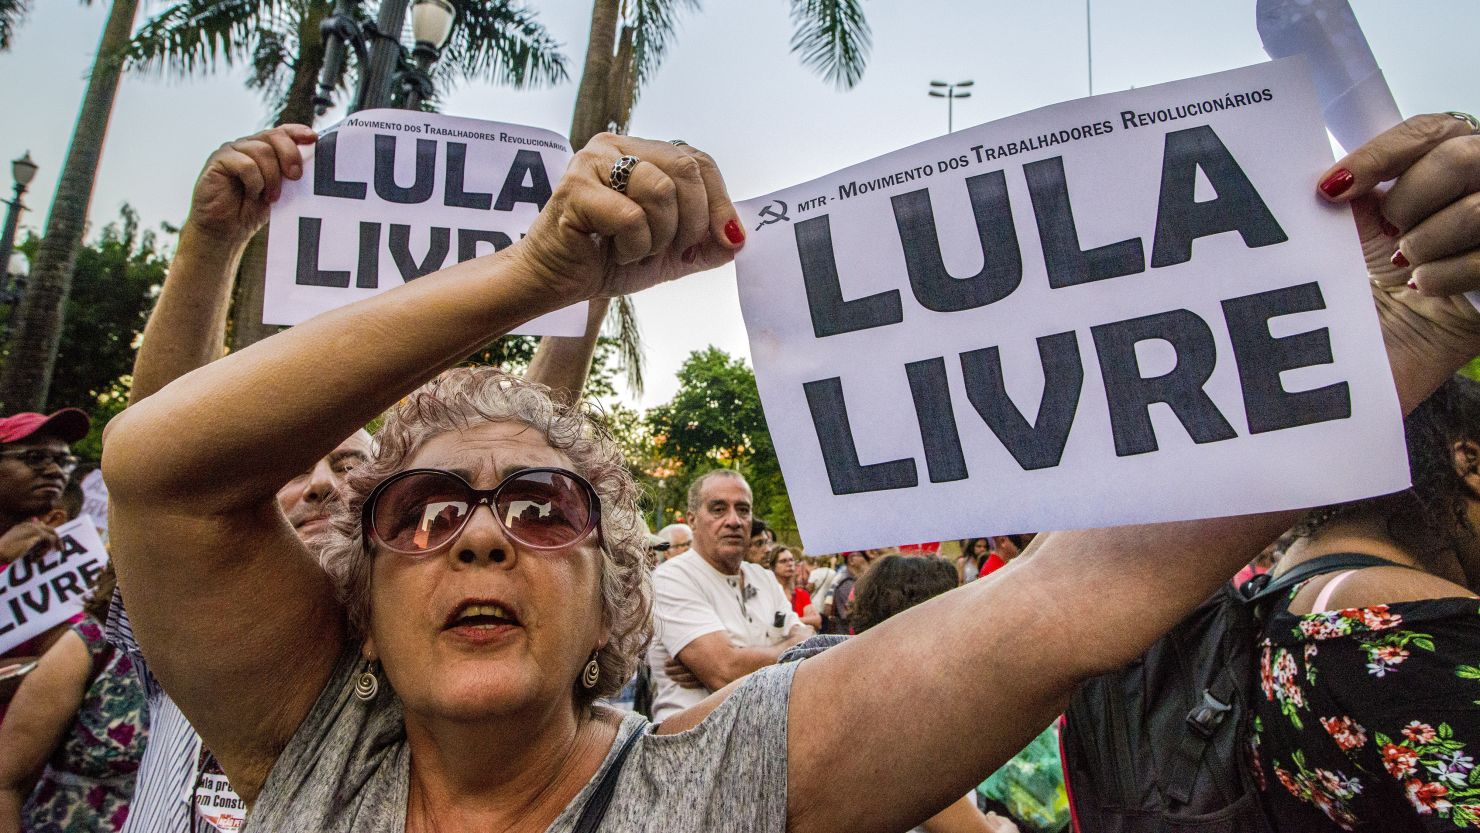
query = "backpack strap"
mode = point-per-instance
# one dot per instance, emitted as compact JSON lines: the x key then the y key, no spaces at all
{"x":1219,"y":698}
{"x":1319,"y":566}
{"x":595,"y":810}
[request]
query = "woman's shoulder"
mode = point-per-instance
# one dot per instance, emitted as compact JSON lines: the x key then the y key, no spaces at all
{"x":1377,"y":600}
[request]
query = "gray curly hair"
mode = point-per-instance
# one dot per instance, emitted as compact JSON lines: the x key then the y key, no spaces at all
{"x":468,"y":396}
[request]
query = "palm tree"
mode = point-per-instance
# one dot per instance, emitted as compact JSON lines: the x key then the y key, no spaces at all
{"x":495,"y":40}
{"x":26,"y":379}
{"x":12,"y":12}
{"x":628,"y":41}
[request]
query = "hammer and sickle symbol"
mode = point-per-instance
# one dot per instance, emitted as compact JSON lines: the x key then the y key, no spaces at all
{"x":773,"y":215}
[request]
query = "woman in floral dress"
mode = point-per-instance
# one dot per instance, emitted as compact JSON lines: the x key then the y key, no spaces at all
{"x":1369,"y":718}
{"x":77,"y":722}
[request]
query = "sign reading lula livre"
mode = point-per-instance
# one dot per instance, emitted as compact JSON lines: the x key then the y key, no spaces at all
{"x":388,"y":196}
{"x":1125,"y":309}
{"x":42,"y":591}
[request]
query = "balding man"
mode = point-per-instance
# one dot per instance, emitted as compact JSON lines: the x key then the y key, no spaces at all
{"x":718,"y":615}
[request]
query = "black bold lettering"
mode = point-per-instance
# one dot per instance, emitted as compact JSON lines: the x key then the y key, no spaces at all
{"x":309,"y":274}
{"x":1130,"y":394}
{"x":840,"y":453}
{"x":400,"y":242}
{"x":515,"y":191}
{"x":1002,"y":264}
{"x":468,"y":240}
{"x":1180,"y":219}
{"x":1040,"y":445}
{"x":1068,"y":265}
{"x":1261,"y":357}
{"x":831,"y":315}
{"x":325,"y":184}
{"x":931,"y":391}
{"x":40,"y":604}
{"x":385,"y":171}
{"x":367,"y":271}
{"x":453,"y":194}
{"x":66,"y":586}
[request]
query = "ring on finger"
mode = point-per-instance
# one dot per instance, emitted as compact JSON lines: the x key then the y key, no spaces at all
{"x":679,"y":143}
{"x":622,"y":173}
{"x":1473,"y":122}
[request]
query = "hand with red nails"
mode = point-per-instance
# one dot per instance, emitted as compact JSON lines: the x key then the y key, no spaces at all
{"x":673,"y":218}
{"x":1421,"y":237}
{"x":242,"y":179}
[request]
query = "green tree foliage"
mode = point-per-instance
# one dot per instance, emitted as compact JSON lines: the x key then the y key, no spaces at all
{"x":715,"y":421}
{"x":113,"y":289}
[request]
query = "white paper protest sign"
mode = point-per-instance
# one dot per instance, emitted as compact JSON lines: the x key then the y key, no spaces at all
{"x":388,"y":196}
{"x":40,"y":592}
{"x":95,"y":500}
{"x":1126,"y":309}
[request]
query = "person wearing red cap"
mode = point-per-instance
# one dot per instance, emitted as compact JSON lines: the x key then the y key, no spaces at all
{"x":35,"y":462}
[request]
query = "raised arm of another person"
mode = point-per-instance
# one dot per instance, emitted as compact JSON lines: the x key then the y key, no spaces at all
{"x":1004,"y":653}
{"x":562,"y":364}
{"x":232,"y":197}
{"x":193,"y":470}
{"x":43,"y":708}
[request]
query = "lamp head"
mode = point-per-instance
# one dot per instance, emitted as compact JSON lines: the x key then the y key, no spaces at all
{"x":23,"y":169}
{"x":431,"y":21}
{"x":19,"y":266}
{"x":965,"y":83}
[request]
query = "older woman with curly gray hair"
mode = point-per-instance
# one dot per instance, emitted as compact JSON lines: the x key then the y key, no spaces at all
{"x":442,"y":675}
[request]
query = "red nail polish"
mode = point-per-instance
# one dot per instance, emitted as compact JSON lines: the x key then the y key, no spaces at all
{"x":733,"y":231}
{"x":1387,"y":228}
{"x":1399,"y":260}
{"x":1413,"y":284}
{"x":1336,"y":184}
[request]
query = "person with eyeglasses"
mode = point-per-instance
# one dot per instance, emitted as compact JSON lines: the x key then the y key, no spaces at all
{"x":181,"y":786}
{"x":487,"y":582}
{"x":35,"y":462}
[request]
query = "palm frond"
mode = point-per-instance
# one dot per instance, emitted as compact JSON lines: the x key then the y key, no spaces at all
{"x":832,"y":37}
{"x":501,"y":42}
{"x":654,"y":25}
{"x":621,"y":321}
{"x":196,"y":36}
{"x":12,"y":12}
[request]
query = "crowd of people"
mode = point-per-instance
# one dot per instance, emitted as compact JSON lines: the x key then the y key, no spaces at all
{"x":307,"y":627}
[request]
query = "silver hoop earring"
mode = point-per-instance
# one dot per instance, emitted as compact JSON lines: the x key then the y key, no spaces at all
{"x":367,"y":683}
{"x":591,"y":674}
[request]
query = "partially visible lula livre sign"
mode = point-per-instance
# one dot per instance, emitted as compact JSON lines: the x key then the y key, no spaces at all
{"x":389,"y":196}
{"x":1129,"y":308}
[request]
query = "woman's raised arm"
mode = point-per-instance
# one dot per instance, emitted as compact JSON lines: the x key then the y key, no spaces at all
{"x":1004,"y":654}
{"x":236,"y":619}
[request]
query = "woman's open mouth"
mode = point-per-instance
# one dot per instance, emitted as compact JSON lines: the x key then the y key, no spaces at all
{"x":482,"y":621}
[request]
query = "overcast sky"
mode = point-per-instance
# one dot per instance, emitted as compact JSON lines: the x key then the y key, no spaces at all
{"x":731,"y":87}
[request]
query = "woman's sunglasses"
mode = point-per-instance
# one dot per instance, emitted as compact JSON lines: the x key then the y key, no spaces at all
{"x":419,"y":510}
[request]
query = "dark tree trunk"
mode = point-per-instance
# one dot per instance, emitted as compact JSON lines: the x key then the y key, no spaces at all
{"x":592,"y":97}
{"x":26,"y":380}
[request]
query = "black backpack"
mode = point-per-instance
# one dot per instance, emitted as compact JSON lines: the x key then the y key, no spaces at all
{"x":1161,"y":745}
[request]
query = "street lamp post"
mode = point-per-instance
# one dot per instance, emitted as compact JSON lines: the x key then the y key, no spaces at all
{"x":375,"y":44}
{"x":24,"y":170}
{"x":431,"y":25}
{"x":950,"y":92}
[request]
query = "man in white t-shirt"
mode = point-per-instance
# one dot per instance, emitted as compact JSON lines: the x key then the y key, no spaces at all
{"x":717,"y":615}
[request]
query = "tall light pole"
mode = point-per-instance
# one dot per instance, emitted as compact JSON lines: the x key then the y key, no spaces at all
{"x":1089,"y":49}
{"x":950,"y":94}
{"x":24,"y":170}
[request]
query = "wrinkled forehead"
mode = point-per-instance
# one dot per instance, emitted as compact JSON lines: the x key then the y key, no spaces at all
{"x":487,"y":453}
